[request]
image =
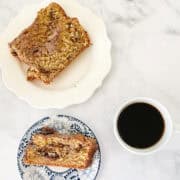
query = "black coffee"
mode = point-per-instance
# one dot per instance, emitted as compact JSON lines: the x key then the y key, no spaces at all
{"x":140,"y":125}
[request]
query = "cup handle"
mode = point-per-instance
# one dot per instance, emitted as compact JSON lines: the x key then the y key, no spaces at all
{"x":176,"y":127}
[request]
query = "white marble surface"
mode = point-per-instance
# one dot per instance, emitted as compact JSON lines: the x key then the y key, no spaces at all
{"x":145,"y":54}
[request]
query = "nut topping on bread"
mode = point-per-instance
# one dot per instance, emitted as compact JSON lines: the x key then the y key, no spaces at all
{"x":50,"y":44}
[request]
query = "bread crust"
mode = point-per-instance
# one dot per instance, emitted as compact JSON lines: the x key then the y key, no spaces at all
{"x":50,"y":44}
{"x":71,"y":151}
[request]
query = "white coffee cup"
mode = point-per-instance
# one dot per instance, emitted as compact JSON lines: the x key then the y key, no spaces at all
{"x":168,"y":126}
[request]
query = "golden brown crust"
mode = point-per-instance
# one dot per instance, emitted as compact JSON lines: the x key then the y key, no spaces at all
{"x":54,"y":149}
{"x":50,"y":44}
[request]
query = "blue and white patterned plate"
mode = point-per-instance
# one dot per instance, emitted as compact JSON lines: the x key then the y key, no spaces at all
{"x":63,"y":124}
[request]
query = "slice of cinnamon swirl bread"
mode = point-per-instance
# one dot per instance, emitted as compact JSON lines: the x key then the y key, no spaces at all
{"x":54,"y":149}
{"x":50,"y":44}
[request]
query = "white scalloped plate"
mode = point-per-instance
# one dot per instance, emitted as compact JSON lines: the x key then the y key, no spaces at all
{"x":75,"y":84}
